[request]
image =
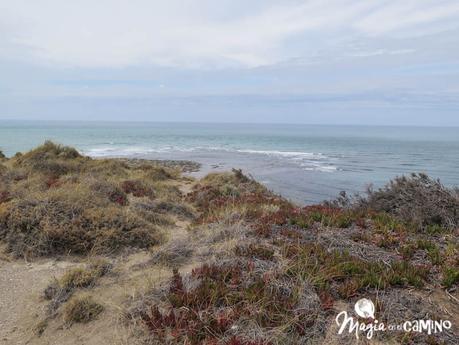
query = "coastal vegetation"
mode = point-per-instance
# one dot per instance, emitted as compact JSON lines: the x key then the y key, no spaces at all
{"x":54,"y":201}
{"x":245,"y":266}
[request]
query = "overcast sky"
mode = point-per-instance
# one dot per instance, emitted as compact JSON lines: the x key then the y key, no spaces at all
{"x":331,"y":62}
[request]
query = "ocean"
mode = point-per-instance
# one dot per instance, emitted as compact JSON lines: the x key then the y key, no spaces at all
{"x":305,"y":163}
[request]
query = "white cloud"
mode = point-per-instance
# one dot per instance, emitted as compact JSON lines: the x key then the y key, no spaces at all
{"x":204,"y":34}
{"x":408,"y":15}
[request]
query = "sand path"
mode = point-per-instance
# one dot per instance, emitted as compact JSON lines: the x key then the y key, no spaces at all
{"x":22,"y":305}
{"x":21,"y":286}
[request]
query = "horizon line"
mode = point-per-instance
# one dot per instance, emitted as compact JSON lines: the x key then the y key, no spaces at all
{"x":228,"y":123}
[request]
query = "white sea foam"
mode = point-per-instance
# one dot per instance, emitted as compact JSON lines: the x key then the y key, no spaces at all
{"x":111,"y":151}
{"x":323,"y":168}
{"x":119,"y":151}
{"x":308,"y":161}
{"x":292,"y":154}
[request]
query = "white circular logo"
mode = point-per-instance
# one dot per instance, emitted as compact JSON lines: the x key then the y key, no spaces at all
{"x":365,"y":308}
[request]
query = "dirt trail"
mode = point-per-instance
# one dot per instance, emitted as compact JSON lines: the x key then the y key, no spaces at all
{"x":22,"y":305}
{"x":21,"y":285}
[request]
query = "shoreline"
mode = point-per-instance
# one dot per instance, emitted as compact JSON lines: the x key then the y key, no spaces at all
{"x":100,"y":251}
{"x":307,"y":164}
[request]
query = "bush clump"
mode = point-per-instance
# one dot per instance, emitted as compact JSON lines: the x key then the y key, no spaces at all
{"x":3,"y":169}
{"x":137,"y":188}
{"x":51,"y":159}
{"x":50,"y":227}
{"x":160,"y":174}
{"x":231,"y":184}
{"x":81,"y":309}
{"x":84,"y":277}
{"x":50,"y":150}
{"x":232,"y":193}
{"x":416,"y":199}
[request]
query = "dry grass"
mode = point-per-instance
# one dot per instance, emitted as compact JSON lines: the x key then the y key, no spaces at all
{"x":60,"y":290}
{"x":174,"y":254}
{"x":84,"y":277}
{"x":81,"y":309}
{"x":54,"y":201}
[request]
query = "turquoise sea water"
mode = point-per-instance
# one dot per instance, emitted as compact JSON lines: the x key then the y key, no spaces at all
{"x":307,"y":163}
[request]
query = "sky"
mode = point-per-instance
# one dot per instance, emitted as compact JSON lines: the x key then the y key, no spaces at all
{"x":381,"y":62}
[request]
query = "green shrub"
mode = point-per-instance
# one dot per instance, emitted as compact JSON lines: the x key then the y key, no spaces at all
{"x":450,"y":277}
{"x":433,"y":252}
{"x":407,"y":250}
